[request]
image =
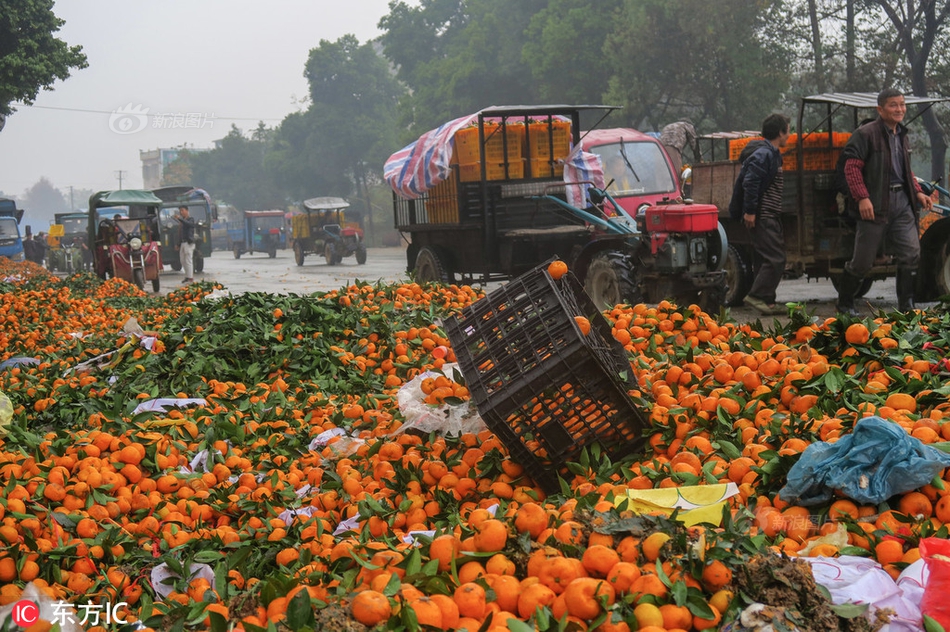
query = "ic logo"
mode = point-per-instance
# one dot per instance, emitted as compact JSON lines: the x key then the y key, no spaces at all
{"x":25,"y":613}
{"x":128,"y":119}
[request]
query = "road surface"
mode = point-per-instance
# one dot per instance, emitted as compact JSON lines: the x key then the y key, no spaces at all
{"x":281,"y":275}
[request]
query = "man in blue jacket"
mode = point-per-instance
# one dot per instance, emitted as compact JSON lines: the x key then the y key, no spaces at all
{"x":877,"y":169}
{"x":761,"y":206}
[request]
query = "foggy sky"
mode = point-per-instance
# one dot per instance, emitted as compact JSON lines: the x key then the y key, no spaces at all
{"x":200,"y":65}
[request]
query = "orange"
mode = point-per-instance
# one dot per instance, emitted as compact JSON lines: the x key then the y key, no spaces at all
{"x":648,"y":614}
{"x":371,"y":607}
{"x":652,"y":544}
{"x":599,"y":559}
{"x":471,"y":600}
{"x":444,"y":548}
{"x":888,"y":551}
{"x":583,"y":324}
{"x":557,"y":269}
{"x":583,"y":596}
{"x":857,"y":334}
{"x":491,"y":536}
{"x":622,"y":576}
{"x":533,"y":597}
{"x":716,"y":575}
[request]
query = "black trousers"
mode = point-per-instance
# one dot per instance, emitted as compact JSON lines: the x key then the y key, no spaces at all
{"x":768,"y":240}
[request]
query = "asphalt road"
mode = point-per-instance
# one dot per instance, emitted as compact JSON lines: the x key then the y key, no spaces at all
{"x":281,"y":275}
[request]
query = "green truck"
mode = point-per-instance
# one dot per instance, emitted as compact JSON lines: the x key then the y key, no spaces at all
{"x":200,"y":208}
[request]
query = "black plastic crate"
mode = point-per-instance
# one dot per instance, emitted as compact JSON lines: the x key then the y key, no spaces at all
{"x":542,"y":386}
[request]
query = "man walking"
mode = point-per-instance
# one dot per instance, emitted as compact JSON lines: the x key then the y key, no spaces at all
{"x":186,"y":247}
{"x":877,"y":169}
{"x":761,"y":182}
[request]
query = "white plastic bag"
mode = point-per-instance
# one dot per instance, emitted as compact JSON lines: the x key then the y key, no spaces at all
{"x":445,"y":419}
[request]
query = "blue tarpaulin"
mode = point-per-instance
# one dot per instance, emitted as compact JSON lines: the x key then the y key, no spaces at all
{"x":876,"y":461}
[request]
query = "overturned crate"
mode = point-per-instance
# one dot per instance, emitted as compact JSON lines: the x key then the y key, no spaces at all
{"x":542,"y":386}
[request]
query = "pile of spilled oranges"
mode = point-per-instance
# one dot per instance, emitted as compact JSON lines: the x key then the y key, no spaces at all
{"x":240,"y":463}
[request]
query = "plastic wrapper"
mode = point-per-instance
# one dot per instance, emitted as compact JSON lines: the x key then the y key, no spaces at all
{"x":445,"y":419}
{"x":876,"y":461}
{"x":936,"y":555}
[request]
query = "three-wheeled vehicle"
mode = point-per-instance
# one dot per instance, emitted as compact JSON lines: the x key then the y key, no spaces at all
{"x":263,"y":231}
{"x":68,"y":243}
{"x":819,"y":233}
{"x":490,"y":196}
{"x":200,"y":208}
{"x":11,"y":244}
{"x":126,"y":247}
{"x":323,"y":229}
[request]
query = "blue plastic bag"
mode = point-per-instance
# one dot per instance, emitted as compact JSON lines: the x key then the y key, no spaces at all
{"x":876,"y":461}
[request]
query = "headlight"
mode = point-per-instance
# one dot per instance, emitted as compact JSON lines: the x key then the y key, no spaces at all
{"x":135,"y":243}
{"x":19,"y":256}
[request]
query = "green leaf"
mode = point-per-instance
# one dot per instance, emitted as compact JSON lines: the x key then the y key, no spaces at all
{"x":931,"y":625}
{"x":299,"y":610}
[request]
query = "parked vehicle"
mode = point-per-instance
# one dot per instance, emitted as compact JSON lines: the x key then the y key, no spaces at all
{"x":200,"y":208}
{"x":68,"y":243}
{"x":626,"y":239}
{"x":128,"y":247}
{"x":819,"y":236}
{"x":11,"y":244}
{"x":261,"y":231}
{"x":323,"y":229}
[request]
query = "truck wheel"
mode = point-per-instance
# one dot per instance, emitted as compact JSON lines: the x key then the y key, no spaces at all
{"x":613,"y":278}
{"x":739,"y":276}
{"x":430,"y":268}
{"x":864,"y":289}
{"x":298,"y":253}
{"x":156,"y":285}
{"x":199,"y":262}
{"x":272,"y":253}
{"x":329,"y":253}
{"x":942,"y":273}
{"x":237,"y":252}
{"x":361,"y":254}
{"x":138,"y":277}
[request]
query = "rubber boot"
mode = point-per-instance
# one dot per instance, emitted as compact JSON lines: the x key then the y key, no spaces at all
{"x":848,"y":285}
{"x":906,"y":280}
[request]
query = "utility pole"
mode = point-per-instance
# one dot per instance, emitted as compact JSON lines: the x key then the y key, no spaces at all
{"x":119,"y":176}
{"x":71,"y":205}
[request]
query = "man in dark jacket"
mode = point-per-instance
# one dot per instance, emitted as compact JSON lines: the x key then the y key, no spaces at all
{"x":877,"y":168}
{"x":762,"y":185}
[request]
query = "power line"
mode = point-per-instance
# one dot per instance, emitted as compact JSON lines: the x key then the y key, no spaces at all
{"x":223,"y":118}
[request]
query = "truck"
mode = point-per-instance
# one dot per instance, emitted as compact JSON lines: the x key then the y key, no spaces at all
{"x":819,"y":234}
{"x":69,"y":243}
{"x":261,"y":231}
{"x":11,"y":243}
{"x":200,"y":208}
{"x":489,"y":196}
{"x":326,"y":228}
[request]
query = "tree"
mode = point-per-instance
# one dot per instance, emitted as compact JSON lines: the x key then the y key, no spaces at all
{"x":920,"y":28}
{"x":458,"y":57}
{"x":564,"y":49}
{"x":31,"y":59}
{"x":42,"y":201}
{"x":235,"y":172}
{"x":339,"y":145}
{"x":178,"y":171}
{"x":676,"y":58}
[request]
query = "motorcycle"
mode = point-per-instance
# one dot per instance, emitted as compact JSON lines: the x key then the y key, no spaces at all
{"x":130,"y":253}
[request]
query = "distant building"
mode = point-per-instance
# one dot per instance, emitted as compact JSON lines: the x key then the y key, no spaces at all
{"x":155,"y":161}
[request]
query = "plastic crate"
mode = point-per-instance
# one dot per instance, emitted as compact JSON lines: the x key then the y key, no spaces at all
{"x":472,"y":172}
{"x":496,"y":140}
{"x":541,"y":138}
{"x":545,"y":389}
{"x":545,"y":169}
